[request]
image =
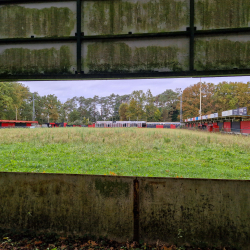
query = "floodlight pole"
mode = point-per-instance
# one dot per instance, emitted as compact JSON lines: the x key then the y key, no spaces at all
{"x":33,"y":108}
{"x":181,"y":108}
{"x":200,"y":98}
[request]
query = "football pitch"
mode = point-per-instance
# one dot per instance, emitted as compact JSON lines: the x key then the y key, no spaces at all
{"x":125,"y":151}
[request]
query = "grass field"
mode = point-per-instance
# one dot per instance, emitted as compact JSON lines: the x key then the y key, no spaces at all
{"x":128,"y":152}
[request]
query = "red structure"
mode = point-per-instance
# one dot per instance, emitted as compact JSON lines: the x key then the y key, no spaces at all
{"x":159,"y":126}
{"x":14,"y":123}
{"x":56,"y":125}
{"x":245,"y":127}
{"x":227,"y":126}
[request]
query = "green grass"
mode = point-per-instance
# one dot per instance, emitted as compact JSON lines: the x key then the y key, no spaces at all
{"x":125,"y":151}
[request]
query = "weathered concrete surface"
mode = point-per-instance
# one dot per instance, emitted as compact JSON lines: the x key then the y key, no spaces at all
{"x":38,"y":19}
{"x":33,"y":59}
{"x":136,"y":55}
{"x":136,"y":16}
{"x":171,"y":210}
{"x":222,"y":52}
{"x":196,"y":211}
{"x":93,"y":205}
{"x":218,"y":14}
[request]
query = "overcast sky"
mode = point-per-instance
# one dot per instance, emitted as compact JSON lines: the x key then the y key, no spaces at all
{"x":68,"y":89}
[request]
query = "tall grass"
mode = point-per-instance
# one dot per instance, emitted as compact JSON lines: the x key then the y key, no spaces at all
{"x":125,"y":151}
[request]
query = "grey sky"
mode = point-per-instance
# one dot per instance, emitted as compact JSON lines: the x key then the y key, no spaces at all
{"x":68,"y":89}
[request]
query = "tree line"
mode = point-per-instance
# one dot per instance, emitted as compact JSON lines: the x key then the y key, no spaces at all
{"x":16,"y":103}
{"x":215,"y":98}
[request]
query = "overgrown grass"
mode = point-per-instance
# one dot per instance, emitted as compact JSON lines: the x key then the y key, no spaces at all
{"x":129,"y":152}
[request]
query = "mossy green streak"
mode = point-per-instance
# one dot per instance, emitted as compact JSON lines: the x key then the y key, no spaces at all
{"x":111,"y":188}
{"x":43,"y":61}
{"x":120,"y":57}
{"x":17,"y":21}
{"x":222,"y":13}
{"x":116,"y":17}
{"x":217,"y":54}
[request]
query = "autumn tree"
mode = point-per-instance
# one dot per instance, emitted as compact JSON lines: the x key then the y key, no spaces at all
{"x":232,"y":95}
{"x":191,"y":100}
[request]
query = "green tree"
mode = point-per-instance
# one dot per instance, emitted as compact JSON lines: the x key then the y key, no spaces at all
{"x":6,"y":100}
{"x":52,"y":107}
{"x":150,"y":107}
{"x":20,"y":96}
{"x":167,"y":102}
{"x":137,"y":107}
{"x":74,"y":116}
{"x":69,"y":106}
{"x":132,"y":110}
{"x":157,"y":115}
{"x":123,"y":109}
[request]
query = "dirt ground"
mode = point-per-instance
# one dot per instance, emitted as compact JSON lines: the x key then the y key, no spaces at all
{"x":10,"y":239}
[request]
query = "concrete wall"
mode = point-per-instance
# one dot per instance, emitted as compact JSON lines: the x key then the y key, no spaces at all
{"x":214,"y":14}
{"x":128,"y":54}
{"x":225,"y":52}
{"x":194,"y":211}
{"x":136,"y":16}
{"x":75,"y":204}
{"x":136,"y":55}
{"x":39,"y":58}
{"x":50,"y":19}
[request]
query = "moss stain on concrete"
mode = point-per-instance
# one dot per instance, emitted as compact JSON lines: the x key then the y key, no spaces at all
{"x":20,"y":61}
{"x":115,"y":17}
{"x":119,"y":57}
{"x":17,"y":21}
{"x":112,"y":188}
{"x":218,"y":54}
{"x":222,"y":14}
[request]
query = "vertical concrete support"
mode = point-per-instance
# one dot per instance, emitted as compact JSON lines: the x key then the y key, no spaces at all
{"x":196,"y":211}
{"x":74,"y":204}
